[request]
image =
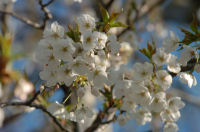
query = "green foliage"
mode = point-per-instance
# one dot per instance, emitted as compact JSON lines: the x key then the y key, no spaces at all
{"x":149,"y":51}
{"x":193,"y":36}
{"x":109,"y":21}
{"x":74,"y":33}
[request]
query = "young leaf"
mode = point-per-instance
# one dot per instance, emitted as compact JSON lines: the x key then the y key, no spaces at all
{"x":193,"y":25}
{"x":113,"y":16}
{"x":104,"y":14}
{"x":118,"y":24}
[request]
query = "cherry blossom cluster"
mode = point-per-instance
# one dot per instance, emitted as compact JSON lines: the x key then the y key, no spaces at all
{"x":94,"y":60}
{"x":78,"y":64}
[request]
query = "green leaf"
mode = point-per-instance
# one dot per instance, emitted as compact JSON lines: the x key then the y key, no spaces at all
{"x":74,"y":34}
{"x":5,"y":46}
{"x":193,"y":25}
{"x":114,"y":16}
{"x":118,"y":24}
{"x":99,"y":23}
{"x":189,"y":37}
{"x":145,"y":52}
{"x":104,"y":14}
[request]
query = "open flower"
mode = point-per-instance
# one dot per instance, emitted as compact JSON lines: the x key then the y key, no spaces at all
{"x":55,"y":31}
{"x":86,"y":23}
{"x":64,"y":49}
{"x":170,"y":127}
{"x":160,"y":57}
{"x":142,"y":71}
{"x":188,"y":79}
{"x":164,"y":79}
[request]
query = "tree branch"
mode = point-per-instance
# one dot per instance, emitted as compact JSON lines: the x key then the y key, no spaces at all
{"x":47,"y":16}
{"x":139,"y":16}
{"x":22,"y":19}
{"x":109,"y":4}
{"x":29,"y":103}
{"x":190,"y":65}
{"x":98,"y":120}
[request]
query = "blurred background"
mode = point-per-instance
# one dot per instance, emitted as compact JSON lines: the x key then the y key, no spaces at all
{"x":165,"y":16}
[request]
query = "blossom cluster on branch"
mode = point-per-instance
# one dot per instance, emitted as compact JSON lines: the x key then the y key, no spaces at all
{"x":89,"y":58}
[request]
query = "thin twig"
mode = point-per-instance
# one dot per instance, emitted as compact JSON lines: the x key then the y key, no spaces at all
{"x":22,"y":19}
{"x":36,"y":106}
{"x":29,"y":103}
{"x":109,"y":121}
{"x":47,"y":16}
{"x":190,"y":65}
{"x":139,"y":16}
{"x":98,"y":120}
{"x":109,"y":4}
{"x":48,"y":3}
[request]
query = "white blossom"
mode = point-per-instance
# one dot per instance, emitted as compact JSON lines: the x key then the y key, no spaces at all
{"x":79,"y":66}
{"x":46,"y":45}
{"x":170,"y":115}
{"x":159,"y":102}
{"x":101,"y":62}
{"x":65,"y":74}
{"x":142,"y":71}
{"x":95,"y":91}
{"x":175,"y":103}
{"x":120,"y":88}
{"x":114,"y":75}
{"x":142,"y":116}
{"x":128,"y":105}
{"x":122,"y":119}
{"x":173,"y":65}
{"x":44,"y":53}
{"x":188,"y":79}
{"x":99,"y":77}
{"x":149,"y":84}
{"x":113,"y":45}
{"x":55,"y":31}
{"x":88,"y":41}
{"x":170,"y":127}
{"x":101,"y":39}
{"x":79,"y":50}
{"x":86,"y":23}
{"x":81,"y":92}
{"x":23,"y":88}
{"x":89,"y":57}
{"x":82,"y":113}
{"x":187,"y":54}
{"x":64,"y":49}
{"x":57,"y":110}
{"x":131,"y":38}
{"x":171,"y":43}
{"x":50,"y":76}
{"x":47,"y":59}
{"x":141,"y":95}
{"x":164,"y":79}
{"x":160,"y":57}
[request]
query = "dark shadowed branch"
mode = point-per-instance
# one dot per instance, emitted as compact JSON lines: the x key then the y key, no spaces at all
{"x":30,"y":103}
